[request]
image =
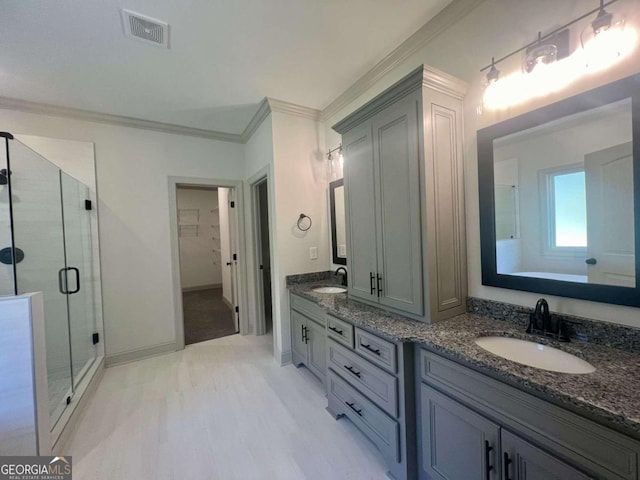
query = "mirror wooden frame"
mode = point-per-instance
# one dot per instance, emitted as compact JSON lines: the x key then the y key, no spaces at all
{"x":622,"y":89}
{"x":334,"y":236}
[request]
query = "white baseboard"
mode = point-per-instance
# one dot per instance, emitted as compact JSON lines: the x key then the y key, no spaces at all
{"x":227,"y":302}
{"x":61,"y":435}
{"x":139,"y":354}
{"x":286,"y":358}
{"x":201,"y":287}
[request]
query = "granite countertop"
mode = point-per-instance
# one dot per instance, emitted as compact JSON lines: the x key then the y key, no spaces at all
{"x":608,"y":395}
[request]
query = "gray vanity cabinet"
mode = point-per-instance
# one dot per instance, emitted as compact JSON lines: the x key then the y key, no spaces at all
{"x":471,"y":426}
{"x":317,"y":355}
{"x":299,"y":349}
{"x":458,"y":443}
{"x":371,"y":385}
{"x":404,"y":197}
{"x":396,"y":162}
{"x":308,"y":336}
{"x":382,"y":178}
{"x":524,"y":461}
{"x":360,"y":212}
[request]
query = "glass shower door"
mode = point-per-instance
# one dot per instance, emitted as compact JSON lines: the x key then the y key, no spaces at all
{"x":38,"y":233}
{"x":79,"y":274}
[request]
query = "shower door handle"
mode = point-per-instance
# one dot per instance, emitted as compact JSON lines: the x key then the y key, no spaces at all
{"x":77,"y":289}
{"x":62,"y":280}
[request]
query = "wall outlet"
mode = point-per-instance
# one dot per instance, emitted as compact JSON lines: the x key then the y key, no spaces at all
{"x":313,"y":253}
{"x":342,"y":250}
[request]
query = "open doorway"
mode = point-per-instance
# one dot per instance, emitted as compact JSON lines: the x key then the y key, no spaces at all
{"x":206,"y":232}
{"x":260,"y":195}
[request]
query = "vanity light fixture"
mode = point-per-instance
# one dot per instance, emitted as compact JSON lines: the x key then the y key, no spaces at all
{"x":494,"y":74}
{"x":605,"y":39}
{"x":543,"y":52}
{"x":548,"y":65}
{"x":340,"y":155}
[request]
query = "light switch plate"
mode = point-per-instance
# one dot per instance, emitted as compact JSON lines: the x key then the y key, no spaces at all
{"x":313,"y":253}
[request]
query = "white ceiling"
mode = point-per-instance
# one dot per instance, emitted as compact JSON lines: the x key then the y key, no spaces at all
{"x":225,"y":56}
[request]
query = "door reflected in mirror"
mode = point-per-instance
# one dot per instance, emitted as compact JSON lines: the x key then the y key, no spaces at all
{"x":564,"y":199}
{"x":338,"y":223}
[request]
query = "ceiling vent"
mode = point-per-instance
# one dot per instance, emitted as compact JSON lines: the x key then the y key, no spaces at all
{"x":144,"y":28}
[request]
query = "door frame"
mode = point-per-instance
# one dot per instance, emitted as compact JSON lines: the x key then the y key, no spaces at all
{"x":238,"y":211}
{"x":260,"y":177}
{"x":261,"y":322}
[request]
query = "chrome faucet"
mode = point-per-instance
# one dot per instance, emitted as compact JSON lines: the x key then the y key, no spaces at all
{"x":344,"y":275}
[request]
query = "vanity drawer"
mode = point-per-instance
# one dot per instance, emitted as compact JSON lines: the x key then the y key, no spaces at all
{"x":307,"y":307}
{"x":379,"y":351}
{"x":379,"y":386}
{"x":382,"y":430}
{"x":340,"y":330}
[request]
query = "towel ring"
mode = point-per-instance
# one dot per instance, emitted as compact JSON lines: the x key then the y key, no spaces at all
{"x":304,"y":222}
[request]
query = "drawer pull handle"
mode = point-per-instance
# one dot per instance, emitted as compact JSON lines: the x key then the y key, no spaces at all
{"x":352,"y":407}
{"x":487,"y":458}
{"x":372,"y":350}
{"x":339,"y":332}
{"x":372,"y":279}
{"x":350,"y":368}
{"x":507,"y":462}
{"x":379,"y":277}
{"x":304,"y":333}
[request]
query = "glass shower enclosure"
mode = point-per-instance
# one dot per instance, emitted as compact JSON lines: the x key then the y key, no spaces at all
{"x":48,"y":244}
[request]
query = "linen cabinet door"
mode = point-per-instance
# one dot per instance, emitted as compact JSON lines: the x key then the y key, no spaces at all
{"x":397,"y":160}
{"x":317,"y":338}
{"x":524,"y":461}
{"x":298,"y":338}
{"x":456,"y":443}
{"x":360,"y":212}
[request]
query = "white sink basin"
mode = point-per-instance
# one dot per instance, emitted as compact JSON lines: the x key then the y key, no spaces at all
{"x":330,"y":290}
{"x":535,"y":355}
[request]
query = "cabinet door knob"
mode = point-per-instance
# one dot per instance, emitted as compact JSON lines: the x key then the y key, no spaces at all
{"x":591,"y":261}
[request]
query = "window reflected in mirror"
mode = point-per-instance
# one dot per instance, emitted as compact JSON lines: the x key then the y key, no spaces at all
{"x":564,"y":204}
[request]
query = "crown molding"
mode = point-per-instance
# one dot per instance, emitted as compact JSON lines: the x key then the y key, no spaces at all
{"x":430,"y":30}
{"x":268,"y":105}
{"x":443,"y":82}
{"x":422,"y":77}
{"x":119,"y":120}
{"x":261,"y":114}
{"x":293,"y":109}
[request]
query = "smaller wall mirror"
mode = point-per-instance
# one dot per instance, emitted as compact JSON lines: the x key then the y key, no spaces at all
{"x":338,"y":223}
{"x":559,"y":197}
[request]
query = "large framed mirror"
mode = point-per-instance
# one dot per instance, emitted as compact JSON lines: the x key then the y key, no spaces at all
{"x":338,"y":222}
{"x":560,"y":197}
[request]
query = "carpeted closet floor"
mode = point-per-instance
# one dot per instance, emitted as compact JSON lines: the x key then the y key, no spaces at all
{"x":206,"y":316}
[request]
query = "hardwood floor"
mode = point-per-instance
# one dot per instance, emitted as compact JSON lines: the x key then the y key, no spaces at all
{"x":221,"y":409}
